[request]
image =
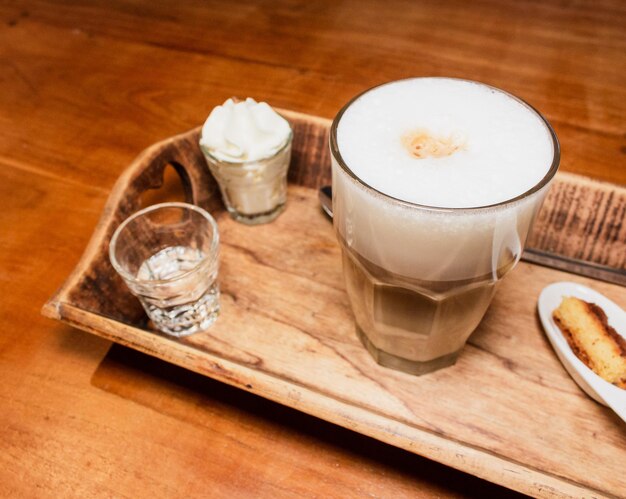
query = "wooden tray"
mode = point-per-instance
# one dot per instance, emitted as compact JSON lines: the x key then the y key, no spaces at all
{"x":507,"y":411}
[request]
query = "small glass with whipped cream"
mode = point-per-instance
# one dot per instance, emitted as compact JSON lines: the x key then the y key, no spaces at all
{"x":247,"y":146}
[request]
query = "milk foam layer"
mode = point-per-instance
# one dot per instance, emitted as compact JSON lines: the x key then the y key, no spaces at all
{"x":417,"y":241}
{"x":505,"y":147}
{"x":244,"y":131}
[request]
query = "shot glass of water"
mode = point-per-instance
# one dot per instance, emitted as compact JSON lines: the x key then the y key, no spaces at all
{"x":167,"y":255}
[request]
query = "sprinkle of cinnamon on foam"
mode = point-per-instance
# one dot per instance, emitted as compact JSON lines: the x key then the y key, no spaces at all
{"x":422,"y":144}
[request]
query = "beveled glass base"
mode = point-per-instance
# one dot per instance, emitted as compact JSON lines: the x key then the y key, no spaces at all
{"x":406,"y":365}
{"x":257,"y":218}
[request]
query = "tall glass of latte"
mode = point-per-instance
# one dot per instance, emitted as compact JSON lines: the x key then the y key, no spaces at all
{"x":436,"y":183}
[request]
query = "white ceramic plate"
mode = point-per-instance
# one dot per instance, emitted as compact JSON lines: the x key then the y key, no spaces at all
{"x":600,"y":390}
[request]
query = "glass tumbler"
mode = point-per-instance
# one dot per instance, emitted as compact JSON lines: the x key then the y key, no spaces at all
{"x":167,"y":255}
{"x":420,"y":278}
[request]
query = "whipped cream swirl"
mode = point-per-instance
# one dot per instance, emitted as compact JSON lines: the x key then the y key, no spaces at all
{"x":244,"y":131}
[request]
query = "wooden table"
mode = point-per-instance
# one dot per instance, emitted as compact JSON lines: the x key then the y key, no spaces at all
{"x":85,"y":87}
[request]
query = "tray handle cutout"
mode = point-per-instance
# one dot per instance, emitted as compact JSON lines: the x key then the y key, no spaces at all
{"x":94,"y":286}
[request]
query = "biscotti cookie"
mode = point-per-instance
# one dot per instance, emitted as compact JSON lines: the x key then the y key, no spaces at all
{"x":592,"y":339}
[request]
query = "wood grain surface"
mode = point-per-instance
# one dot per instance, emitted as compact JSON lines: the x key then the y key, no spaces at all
{"x":85,"y":86}
{"x":286,"y":332}
{"x":583,"y":220}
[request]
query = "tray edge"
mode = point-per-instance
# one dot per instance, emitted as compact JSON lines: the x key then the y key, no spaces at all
{"x":472,"y":460}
